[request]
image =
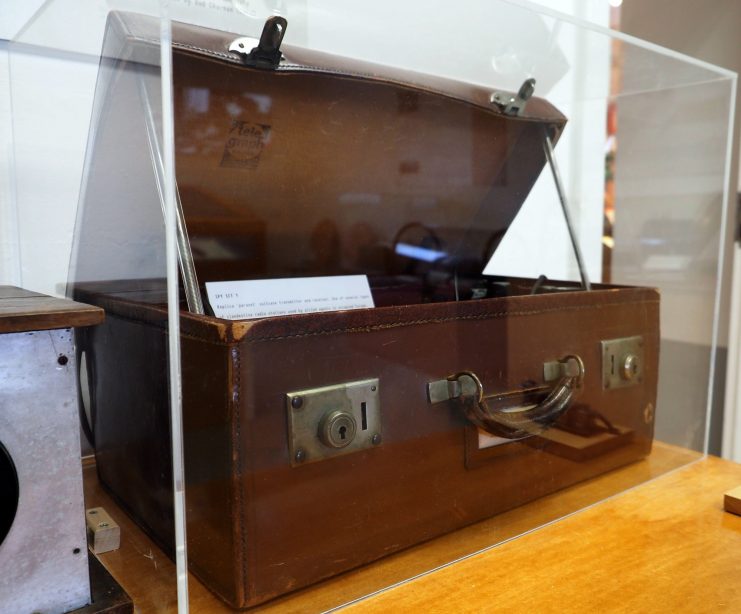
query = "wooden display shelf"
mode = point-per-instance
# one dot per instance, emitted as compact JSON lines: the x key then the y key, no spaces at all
{"x":666,"y":545}
{"x":22,"y":310}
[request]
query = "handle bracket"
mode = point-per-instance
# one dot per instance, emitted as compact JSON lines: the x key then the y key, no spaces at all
{"x":500,"y":414}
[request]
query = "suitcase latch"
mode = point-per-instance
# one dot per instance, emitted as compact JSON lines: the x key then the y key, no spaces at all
{"x":267,"y":53}
{"x":447,"y":389}
{"x":622,"y":362}
{"x":511,"y":103}
{"x":333,"y":420}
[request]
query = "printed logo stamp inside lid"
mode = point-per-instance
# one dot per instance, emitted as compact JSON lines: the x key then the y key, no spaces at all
{"x":245,"y":144}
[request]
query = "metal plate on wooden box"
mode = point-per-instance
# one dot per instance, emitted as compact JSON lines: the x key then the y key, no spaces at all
{"x":622,"y":362}
{"x":333,"y":420}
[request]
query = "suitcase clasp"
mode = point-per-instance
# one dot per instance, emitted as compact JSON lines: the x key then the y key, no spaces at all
{"x":513,"y":103}
{"x":267,"y":53}
{"x":333,"y":420}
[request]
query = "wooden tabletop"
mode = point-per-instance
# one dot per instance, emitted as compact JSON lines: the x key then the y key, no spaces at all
{"x":663,"y":546}
{"x":667,"y":546}
{"x":22,"y":310}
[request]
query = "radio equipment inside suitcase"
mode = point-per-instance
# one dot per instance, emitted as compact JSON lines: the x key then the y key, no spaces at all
{"x":318,"y":442}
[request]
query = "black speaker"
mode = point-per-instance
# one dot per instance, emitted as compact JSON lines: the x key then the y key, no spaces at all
{"x":8,"y":492}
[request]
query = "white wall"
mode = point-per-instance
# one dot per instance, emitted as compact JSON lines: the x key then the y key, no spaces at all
{"x":9,"y":250}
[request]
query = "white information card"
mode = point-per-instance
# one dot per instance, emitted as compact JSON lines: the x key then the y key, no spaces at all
{"x":262,"y":298}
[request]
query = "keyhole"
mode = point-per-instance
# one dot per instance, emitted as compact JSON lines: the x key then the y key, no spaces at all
{"x":337,"y":429}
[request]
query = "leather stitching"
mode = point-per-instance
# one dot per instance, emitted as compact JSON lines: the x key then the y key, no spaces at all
{"x":482,"y":316}
{"x":237,"y":404}
{"x":345,"y":73}
{"x":220,"y":54}
{"x":391,"y":325}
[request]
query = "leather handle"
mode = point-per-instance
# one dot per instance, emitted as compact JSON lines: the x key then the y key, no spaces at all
{"x":514,"y":415}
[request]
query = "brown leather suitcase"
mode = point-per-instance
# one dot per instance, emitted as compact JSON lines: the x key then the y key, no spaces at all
{"x":469,"y":395}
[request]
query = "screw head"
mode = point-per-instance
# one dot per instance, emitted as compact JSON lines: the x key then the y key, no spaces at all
{"x":376,"y":439}
{"x":300,"y":455}
{"x":297,"y":402}
{"x":373,"y":388}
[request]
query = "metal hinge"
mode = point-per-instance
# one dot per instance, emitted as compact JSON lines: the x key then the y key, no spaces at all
{"x":514,"y":104}
{"x":267,"y":53}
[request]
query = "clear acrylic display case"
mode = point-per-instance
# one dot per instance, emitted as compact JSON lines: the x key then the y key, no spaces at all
{"x":384,"y":147}
{"x":56,"y":61}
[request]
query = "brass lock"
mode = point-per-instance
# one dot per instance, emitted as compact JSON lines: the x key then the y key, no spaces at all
{"x":337,"y":429}
{"x":622,"y":362}
{"x":631,"y":366}
{"x":333,"y":420}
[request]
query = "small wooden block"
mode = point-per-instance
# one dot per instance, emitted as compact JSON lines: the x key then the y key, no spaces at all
{"x":103,"y":534}
{"x":732,"y":501}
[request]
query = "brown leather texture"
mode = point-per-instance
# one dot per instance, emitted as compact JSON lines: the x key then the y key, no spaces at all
{"x":259,"y":528}
{"x":299,"y":173}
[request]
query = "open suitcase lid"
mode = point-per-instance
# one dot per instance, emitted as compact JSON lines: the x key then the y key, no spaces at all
{"x":308,"y":165}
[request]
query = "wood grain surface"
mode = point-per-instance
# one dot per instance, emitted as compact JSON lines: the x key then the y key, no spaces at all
{"x":632,"y":553}
{"x":667,"y":546}
{"x":23,"y":310}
